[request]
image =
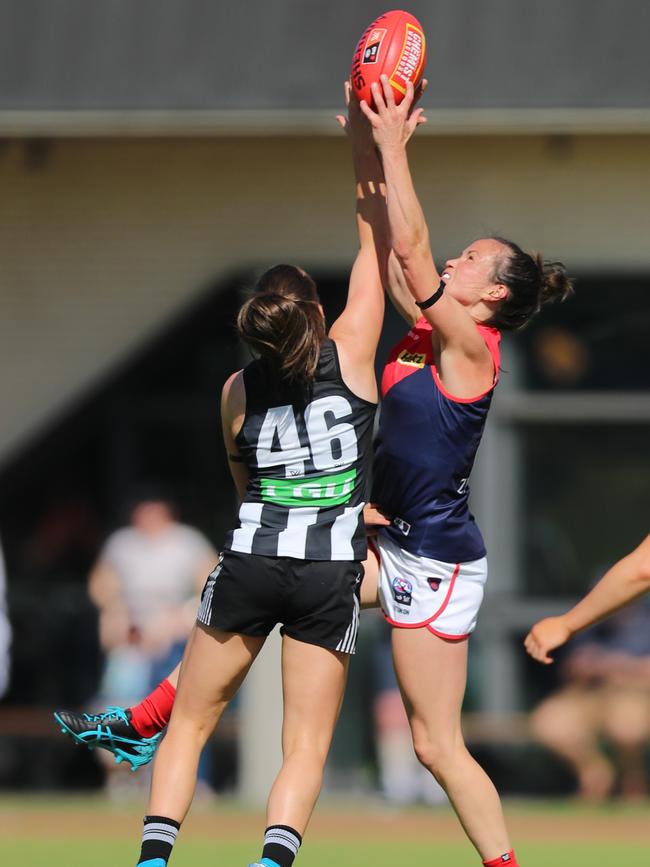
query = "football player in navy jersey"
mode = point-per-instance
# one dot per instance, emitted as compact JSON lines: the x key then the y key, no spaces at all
{"x":436,"y":389}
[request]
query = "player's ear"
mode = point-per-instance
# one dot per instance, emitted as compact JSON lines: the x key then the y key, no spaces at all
{"x":497,"y":292}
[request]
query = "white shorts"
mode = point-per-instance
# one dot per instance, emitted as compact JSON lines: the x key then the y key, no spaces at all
{"x":419,"y":591}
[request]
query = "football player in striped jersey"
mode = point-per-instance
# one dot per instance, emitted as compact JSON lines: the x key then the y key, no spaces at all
{"x":297,"y":425}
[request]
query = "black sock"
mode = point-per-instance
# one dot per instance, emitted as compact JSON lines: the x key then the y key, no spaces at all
{"x":281,"y":844}
{"x":158,"y":838}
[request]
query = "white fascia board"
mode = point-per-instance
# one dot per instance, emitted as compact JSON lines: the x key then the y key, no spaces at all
{"x":451,"y":122}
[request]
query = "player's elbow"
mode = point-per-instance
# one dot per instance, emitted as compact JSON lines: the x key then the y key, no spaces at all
{"x":411,"y":244}
{"x":411,"y":248}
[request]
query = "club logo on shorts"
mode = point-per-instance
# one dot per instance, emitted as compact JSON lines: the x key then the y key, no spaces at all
{"x":402,"y":591}
{"x":434,"y":583}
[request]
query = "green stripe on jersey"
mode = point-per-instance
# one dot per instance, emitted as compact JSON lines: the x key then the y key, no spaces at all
{"x":320,"y":491}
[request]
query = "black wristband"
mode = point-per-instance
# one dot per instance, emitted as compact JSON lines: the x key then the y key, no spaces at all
{"x":435,"y":297}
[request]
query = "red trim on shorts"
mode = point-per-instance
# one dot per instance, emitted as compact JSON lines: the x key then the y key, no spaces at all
{"x":446,"y":635}
{"x":445,"y":602}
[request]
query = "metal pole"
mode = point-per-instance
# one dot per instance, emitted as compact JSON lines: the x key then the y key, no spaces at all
{"x":261,"y":724}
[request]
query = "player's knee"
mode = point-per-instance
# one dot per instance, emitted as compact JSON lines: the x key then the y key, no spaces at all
{"x":309,"y":750}
{"x":192,"y":726}
{"x":437,"y":754}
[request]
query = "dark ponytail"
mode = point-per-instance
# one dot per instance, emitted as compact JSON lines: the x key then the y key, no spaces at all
{"x":531,"y":282}
{"x":283,"y":322}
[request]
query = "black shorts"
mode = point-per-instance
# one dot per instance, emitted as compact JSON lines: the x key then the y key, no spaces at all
{"x":316,"y":601}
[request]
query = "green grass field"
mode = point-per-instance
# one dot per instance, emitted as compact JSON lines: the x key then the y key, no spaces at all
{"x":192,"y":854}
{"x":73,"y":832}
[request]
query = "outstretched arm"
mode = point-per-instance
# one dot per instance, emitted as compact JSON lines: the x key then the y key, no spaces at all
{"x":399,"y":292}
{"x":626,"y":581}
{"x":358,"y":328}
{"x":396,"y":286}
{"x":466,"y":356}
{"x":372,"y":219}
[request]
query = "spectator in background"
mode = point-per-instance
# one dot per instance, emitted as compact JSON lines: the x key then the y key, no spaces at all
{"x":147,"y":580}
{"x":146,"y":585}
{"x":605,"y":697}
{"x":5,"y":630}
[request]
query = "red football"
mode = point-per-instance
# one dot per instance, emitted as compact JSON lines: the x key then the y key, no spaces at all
{"x":393,"y":45}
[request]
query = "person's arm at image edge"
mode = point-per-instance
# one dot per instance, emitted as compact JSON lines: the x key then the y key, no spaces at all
{"x":625,"y":582}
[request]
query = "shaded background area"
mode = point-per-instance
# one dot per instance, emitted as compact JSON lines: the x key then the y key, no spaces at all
{"x":154,"y":157}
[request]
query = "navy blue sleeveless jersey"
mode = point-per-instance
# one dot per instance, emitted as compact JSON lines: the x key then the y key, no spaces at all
{"x":425,"y":451}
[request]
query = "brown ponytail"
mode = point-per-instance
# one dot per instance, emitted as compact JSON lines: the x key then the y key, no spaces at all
{"x":531,"y":282}
{"x":283,"y":322}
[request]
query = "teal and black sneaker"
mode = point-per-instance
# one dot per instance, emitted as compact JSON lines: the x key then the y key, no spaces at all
{"x":110,"y":730}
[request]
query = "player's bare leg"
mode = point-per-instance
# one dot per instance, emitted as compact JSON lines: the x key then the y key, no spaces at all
{"x":313,"y":683}
{"x":432,"y":674}
{"x":214,"y":667}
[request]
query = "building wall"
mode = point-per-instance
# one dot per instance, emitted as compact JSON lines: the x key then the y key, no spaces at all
{"x":101,"y":242}
{"x":194,"y":55}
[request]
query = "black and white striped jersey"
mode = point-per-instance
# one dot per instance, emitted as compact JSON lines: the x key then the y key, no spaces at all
{"x":308,"y":451}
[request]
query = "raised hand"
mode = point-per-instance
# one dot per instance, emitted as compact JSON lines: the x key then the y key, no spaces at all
{"x":355,"y":125}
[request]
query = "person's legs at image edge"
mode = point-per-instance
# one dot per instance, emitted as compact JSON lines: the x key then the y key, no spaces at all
{"x":214,"y":668}
{"x":313,"y":685}
{"x":319,"y":636}
{"x":432,"y":673}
